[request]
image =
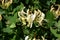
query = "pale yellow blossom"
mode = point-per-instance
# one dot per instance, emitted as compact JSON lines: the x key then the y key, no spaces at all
{"x":22,"y":17}
{"x":39,"y":16}
{"x":5,"y":3}
{"x":34,"y":38}
{"x":55,"y":11}
{"x":27,"y":37}
{"x":43,"y":38}
{"x":30,"y":17}
{"x":0,"y":17}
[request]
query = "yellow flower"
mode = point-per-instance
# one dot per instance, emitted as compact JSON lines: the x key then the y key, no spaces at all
{"x":5,"y":3}
{"x":34,"y":38}
{"x":0,"y":17}
{"x":56,"y":10}
{"x":22,"y":17}
{"x":30,"y":17}
{"x":39,"y":16}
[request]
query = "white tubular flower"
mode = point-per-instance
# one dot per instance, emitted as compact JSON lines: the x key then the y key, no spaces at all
{"x":22,"y":17}
{"x":39,"y":17}
{"x":21,"y":13}
{"x":42,"y":16}
{"x":6,"y":3}
{"x":27,"y":37}
{"x":29,"y":20}
{"x":0,"y":17}
{"x":28,"y":12}
{"x":52,"y":8}
{"x":30,"y":17}
{"x":56,"y":11}
{"x":34,"y":38}
{"x":43,"y":38}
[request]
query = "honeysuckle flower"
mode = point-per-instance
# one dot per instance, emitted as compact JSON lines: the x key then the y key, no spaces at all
{"x":40,"y":17}
{"x":22,"y":17}
{"x":34,"y":38}
{"x":30,"y":17}
{"x":56,"y":10}
{"x":5,"y":3}
{"x":43,"y":38}
{"x":0,"y":17}
{"x":27,"y":37}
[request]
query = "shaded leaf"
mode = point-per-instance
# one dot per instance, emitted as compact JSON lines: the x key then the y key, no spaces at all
{"x":58,"y":24}
{"x":12,"y":19}
{"x":7,"y":30}
{"x":50,"y":18}
{"x":27,"y":1}
{"x":54,"y":31}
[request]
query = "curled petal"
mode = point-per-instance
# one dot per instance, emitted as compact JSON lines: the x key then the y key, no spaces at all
{"x":5,"y":3}
{"x":27,"y":37}
{"x":0,"y":17}
{"x":40,"y":17}
{"x":55,"y":10}
{"x":30,"y":17}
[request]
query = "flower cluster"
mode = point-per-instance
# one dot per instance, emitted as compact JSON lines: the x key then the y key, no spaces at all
{"x":56,"y":10}
{"x":5,"y":3}
{"x":27,"y":18}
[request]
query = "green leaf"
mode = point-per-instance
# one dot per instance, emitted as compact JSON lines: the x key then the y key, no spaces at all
{"x":18,"y":8}
{"x":13,"y":37}
{"x":12,"y":19}
{"x":53,"y":1}
{"x":7,"y":30}
{"x":27,"y":1}
{"x":48,"y":3}
{"x":58,"y":24}
{"x":0,"y":24}
{"x":12,"y":25}
{"x":49,"y":15}
{"x":50,"y":18}
{"x":26,"y":31}
{"x":54,"y":31}
{"x":15,"y":1}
